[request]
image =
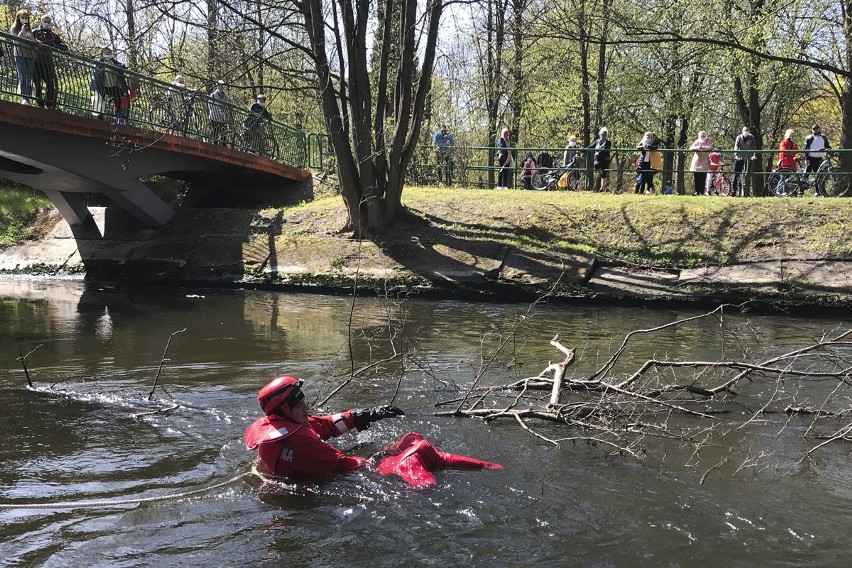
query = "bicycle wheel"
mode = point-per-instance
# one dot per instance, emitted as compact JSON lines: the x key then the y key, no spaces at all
{"x":573,"y":181}
{"x":832,"y":184}
{"x":722,"y":185}
{"x":158,"y":113}
{"x":541,"y":179}
{"x":783,"y":183}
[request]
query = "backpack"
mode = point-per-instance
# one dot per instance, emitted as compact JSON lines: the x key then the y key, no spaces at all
{"x":545,"y":160}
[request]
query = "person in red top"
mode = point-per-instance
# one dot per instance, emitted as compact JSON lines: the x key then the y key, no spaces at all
{"x":787,"y":155}
{"x":289,"y":440}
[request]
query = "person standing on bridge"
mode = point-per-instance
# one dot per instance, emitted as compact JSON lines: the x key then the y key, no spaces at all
{"x":109,"y":84}
{"x":24,"y":55}
{"x":255,"y":124}
{"x":45,"y":70}
{"x":175,"y":96}
{"x":217,"y":111}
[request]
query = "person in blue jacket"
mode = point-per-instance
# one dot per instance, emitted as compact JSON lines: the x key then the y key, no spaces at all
{"x":444,"y":145}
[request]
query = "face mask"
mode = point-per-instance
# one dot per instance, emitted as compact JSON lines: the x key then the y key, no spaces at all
{"x":25,"y":20}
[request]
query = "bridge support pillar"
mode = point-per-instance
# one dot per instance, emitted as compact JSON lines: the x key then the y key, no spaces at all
{"x":138,"y":199}
{"x":73,"y":209}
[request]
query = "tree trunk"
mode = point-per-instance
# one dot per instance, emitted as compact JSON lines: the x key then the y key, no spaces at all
{"x":585,"y":83}
{"x":132,"y":47}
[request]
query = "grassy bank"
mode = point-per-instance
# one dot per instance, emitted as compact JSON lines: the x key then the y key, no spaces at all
{"x":18,"y":211}
{"x":662,"y":231}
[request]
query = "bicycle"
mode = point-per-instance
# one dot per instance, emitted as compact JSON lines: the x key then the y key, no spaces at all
{"x":257,"y":140}
{"x":175,"y":113}
{"x":719,"y":184}
{"x":445,"y":166}
{"x":826,"y":181}
{"x":548,"y":178}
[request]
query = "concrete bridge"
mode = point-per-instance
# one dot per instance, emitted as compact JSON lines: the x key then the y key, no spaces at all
{"x":69,"y":157}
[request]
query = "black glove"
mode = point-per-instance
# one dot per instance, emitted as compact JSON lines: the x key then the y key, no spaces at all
{"x":364,"y":416}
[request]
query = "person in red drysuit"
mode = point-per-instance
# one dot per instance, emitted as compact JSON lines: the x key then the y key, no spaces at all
{"x":289,"y":441}
{"x":414,"y":459}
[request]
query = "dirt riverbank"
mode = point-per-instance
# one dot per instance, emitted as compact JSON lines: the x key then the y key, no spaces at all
{"x":485,"y":244}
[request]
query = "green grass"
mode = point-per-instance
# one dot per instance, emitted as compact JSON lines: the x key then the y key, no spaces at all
{"x":17,"y":205}
{"x":649,"y":230}
{"x":668,"y":231}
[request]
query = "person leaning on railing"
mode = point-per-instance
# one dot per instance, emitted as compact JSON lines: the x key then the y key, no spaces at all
{"x":814,"y":150}
{"x":444,"y":144}
{"x":217,"y":112}
{"x":255,"y":124}
{"x":110,"y":85}
{"x":744,"y":146}
{"x":602,"y":156}
{"x":24,"y":55}
{"x":45,"y":71}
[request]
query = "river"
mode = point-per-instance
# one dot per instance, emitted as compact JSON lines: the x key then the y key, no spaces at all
{"x":164,"y":487}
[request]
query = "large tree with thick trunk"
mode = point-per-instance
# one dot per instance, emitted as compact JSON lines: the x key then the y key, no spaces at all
{"x":372,"y":150}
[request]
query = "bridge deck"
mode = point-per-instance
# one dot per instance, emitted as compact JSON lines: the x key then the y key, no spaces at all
{"x":66,"y":156}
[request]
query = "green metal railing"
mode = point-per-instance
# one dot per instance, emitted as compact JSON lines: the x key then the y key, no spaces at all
{"x":155,"y":105}
{"x":471,"y":168}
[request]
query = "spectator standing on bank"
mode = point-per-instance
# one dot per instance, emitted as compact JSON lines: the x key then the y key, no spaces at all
{"x":644,"y":172}
{"x":504,"y":159}
{"x":814,"y":150}
{"x":45,"y":70}
{"x":110,"y":85}
{"x":602,"y":156}
{"x":713,"y":172}
{"x":527,"y":170}
{"x":788,"y":147}
{"x":217,"y":112}
{"x":700,"y":164}
{"x":444,"y":144}
{"x":24,"y":55}
{"x":744,"y":146}
{"x":571,"y":153}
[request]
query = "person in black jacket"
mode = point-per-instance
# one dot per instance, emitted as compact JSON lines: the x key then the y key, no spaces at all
{"x":255,"y":124}
{"x":602,"y":156}
{"x":644,"y":171}
{"x":45,"y":71}
{"x":109,"y":85}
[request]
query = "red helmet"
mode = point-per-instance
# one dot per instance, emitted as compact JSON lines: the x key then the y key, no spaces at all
{"x":280,"y":396}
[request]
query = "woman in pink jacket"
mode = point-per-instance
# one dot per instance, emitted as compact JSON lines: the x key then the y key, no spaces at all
{"x":701,"y":162}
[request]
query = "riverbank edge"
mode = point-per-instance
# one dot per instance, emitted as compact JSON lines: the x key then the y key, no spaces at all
{"x":251,"y":251}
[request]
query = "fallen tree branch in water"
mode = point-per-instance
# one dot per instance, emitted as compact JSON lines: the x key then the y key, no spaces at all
{"x":681,"y":400}
{"x":163,"y":362}
{"x":23,"y":360}
{"x":158,"y":411}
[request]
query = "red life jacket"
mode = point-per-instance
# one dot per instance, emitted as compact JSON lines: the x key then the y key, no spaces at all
{"x":298,"y":450}
{"x":267,"y":429}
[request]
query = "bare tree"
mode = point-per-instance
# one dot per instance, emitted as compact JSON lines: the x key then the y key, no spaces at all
{"x":372,"y":151}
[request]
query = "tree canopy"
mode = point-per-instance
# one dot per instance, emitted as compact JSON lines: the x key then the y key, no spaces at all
{"x":379,"y":76}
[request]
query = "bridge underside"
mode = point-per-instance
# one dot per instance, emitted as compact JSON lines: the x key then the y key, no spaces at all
{"x":67,"y":157}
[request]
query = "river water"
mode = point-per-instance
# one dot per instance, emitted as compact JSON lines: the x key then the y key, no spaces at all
{"x":163,"y":484}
